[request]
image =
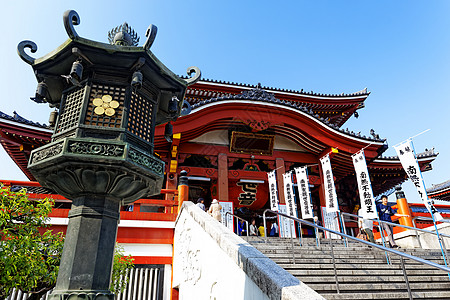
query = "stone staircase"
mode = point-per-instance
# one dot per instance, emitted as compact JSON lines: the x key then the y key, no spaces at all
{"x":362,"y":271}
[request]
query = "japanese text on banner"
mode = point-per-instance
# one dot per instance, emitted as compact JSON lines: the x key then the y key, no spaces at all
{"x":290,"y":199}
{"x":364,"y":185}
{"x":289,"y":195}
{"x":330,"y":191}
{"x":273,"y":191}
{"x":407,"y":156}
{"x":304,"y":192}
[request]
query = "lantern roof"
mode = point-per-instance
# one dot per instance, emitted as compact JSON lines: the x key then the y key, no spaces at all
{"x":121,"y":58}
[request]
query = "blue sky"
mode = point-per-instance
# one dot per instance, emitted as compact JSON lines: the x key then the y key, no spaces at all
{"x":399,"y":50}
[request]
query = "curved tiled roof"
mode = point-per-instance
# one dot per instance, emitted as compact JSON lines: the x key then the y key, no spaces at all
{"x":425,"y":154}
{"x":261,"y":95}
{"x":17,"y":118}
{"x":311,"y":93}
{"x":439,"y":187}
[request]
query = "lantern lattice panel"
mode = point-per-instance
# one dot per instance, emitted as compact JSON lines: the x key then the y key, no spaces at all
{"x":140,"y":117}
{"x":114,"y":118}
{"x":71,"y":112}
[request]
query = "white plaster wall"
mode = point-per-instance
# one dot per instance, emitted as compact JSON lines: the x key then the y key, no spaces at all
{"x":211,"y":262}
{"x":135,"y":249}
{"x":216,"y":137}
{"x":430,"y":241}
{"x":202,"y":270}
{"x":408,"y":238}
{"x":220,"y":137}
{"x":283,"y":143}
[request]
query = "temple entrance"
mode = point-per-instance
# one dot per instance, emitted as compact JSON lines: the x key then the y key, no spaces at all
{"x":200,"y":187}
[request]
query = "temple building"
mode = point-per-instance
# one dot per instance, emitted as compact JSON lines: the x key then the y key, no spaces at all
{"x":231,"y":137}
{"x":236,"y":133}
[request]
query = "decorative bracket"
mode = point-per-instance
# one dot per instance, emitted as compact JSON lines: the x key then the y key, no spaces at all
{"x":151,"y":35}
{"x":21,"y":51}
{"x":138,"y":64}
{"x":71,"y":18}
{"x":185,"y":108}
{"x":77,"y":52}
{"x":194,"y":78}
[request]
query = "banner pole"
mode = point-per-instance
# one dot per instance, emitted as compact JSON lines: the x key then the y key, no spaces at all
{"x":410,"y":138}
{"x":342,"y":227}
{"x":316,"y":231}
{"x":440,"y":243}
{"x":380,"y":227}
{"x":430,"y":207}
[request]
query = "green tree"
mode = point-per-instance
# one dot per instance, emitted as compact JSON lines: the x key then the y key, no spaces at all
{"x":29,"y":260}
{"x":121,"y":268}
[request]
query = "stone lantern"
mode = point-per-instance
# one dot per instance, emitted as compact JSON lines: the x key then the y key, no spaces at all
{"x":110,"y":97}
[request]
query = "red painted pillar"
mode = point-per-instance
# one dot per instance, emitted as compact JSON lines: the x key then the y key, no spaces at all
{"x":183,"y":189}
{"x":222,"y":178}
{"x":403,"y":209}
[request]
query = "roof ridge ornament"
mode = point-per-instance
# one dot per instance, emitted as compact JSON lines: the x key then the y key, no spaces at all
{"x":21,"y":51}
{"x":71,"y":18}
{"x":151,"y":35}
{"x":123,"y":35}
{"x":193,"y":78}
{"x":259,"y":93}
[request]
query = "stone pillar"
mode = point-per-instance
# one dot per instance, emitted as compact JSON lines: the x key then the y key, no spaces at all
{"x":222,"y":179}
{"x":403,"y":208}
{"x":87,"y":259}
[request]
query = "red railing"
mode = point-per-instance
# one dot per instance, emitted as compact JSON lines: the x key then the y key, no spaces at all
{"x":169,"y":212}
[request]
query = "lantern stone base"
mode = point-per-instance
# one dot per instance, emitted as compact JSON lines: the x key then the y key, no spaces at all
{"x":87,"y":258}
{"x":83,"y":166}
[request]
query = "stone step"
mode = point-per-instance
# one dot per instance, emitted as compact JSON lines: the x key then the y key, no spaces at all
{"x":366,"y":257}
{"x":385,"y":286}
{"x":388,"y":295}
{"x":354,"y":261}
{"x":363,"y":273}
{"x":399,"y":278}
{"x":325,"y":243}
{"x":344,"y":248}
{"x":352,"y":269}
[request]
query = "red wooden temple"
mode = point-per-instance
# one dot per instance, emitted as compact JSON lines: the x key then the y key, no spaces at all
{"x":236,"y":133}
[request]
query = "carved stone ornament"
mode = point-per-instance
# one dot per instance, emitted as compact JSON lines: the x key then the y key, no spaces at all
{"x":189,"y":256}
{"x":46,"y":153}
{"x":81,"y":295}
{"x":146,"y":161}
{"x":84,"y":181}
{"x":96,"y":149}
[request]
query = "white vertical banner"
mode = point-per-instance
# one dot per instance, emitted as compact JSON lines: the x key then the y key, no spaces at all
{"x":368,"y":207}
{"x":407,"y":156}
{"x":285,"y":222}
{"x":330,"y":221}
{"x":289,"y":197}
{"x":227,"y":206}
{"x":304,"y":193}
{"x":330,"y":191}
{"x":273,"y":191}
